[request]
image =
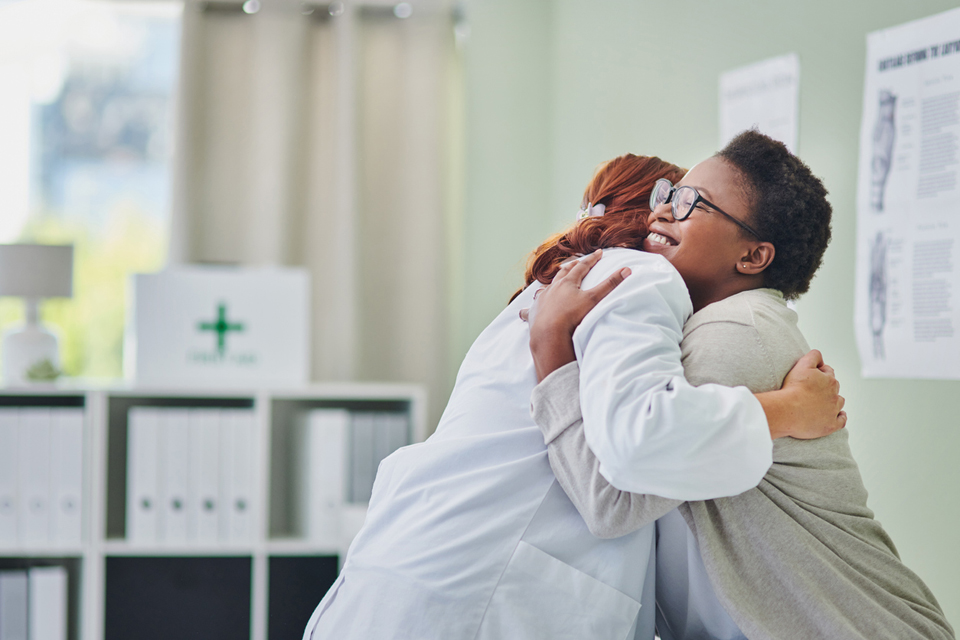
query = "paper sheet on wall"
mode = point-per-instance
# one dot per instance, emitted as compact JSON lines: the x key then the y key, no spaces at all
{"x":907,"y":300}
{"x":762,"y":95}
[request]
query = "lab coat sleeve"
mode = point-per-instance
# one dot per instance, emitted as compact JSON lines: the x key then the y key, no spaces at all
{"x":607,"y":511}
{"x":652,"y":431}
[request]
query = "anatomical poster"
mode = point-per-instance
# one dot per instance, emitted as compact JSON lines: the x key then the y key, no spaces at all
{"x":907,"y":300}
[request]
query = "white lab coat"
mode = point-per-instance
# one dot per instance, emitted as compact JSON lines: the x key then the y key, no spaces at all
{"x":469,"y":535}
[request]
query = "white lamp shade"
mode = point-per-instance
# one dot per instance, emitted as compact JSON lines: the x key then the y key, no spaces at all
{"x":36,"y":270}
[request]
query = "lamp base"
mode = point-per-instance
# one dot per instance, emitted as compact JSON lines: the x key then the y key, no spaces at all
{"x":30,"y":356}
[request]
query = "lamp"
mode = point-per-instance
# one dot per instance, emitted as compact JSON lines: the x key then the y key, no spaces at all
{"x":33,"y":272}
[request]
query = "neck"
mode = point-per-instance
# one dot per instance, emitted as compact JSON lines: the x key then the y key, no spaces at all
{"x":723,"y":290}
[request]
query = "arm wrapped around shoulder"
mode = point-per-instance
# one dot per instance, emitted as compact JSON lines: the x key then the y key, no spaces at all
{"x":653,"y":432}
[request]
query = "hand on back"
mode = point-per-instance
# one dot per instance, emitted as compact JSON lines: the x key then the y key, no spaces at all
{"x":818,"y":405}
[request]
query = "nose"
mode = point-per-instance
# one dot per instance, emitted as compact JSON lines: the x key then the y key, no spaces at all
{"x":661,"y":212}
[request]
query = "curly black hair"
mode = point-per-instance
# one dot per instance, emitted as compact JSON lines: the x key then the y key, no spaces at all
{"x":789,"y":208}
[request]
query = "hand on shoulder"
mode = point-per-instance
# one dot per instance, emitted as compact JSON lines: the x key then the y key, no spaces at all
{"x":559,"y":308}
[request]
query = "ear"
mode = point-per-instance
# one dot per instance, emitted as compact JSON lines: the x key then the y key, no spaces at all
{"x":756,"y":258}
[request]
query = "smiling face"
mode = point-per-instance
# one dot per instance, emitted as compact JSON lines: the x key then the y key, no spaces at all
{"x":714,"y":257}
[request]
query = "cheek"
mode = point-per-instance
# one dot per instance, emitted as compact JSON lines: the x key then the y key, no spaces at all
{"x":708,"y":250}
{"x":699,"y":241}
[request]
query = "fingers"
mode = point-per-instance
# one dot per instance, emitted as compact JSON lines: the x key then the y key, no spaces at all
{"x":565,"y":268}
{"x":841,"y":420}
{"x":525,"y":315}
{"x":839,"y":423}
{"x":592,"y":258}
{"x":601,"y":290}
{"x":812,"y":359}
{"x":580,"y":268}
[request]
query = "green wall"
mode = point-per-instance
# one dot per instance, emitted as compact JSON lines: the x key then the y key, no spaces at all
{"x":553,"y":88}
{"x":508,"y":129}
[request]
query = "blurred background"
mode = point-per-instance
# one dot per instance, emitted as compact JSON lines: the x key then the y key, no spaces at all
{"x":410,"y":155}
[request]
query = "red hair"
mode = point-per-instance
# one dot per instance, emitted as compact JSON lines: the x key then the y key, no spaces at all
{"x":623,"y":186}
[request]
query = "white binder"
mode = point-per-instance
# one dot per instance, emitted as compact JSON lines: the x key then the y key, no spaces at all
{"x":237,"y":474}
{"x":174,"y":474}
{"x":228,"y":433}
{"x":320,"y":445}
{"x":9,"y":470}
{"x":66,"y":483}
{"x":48,"y":603}
{"x":34,"y":503}
{"x":400,"y":434}
{"x":203,"y":512}
{"x":362,"y":454}
{"x":143,"y":475}
{"x":13,"y":605}
{"x":391,"y":434}
{"x":382,"y":438}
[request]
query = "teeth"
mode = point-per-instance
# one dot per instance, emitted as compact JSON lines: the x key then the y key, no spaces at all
{"x":656,"y":237}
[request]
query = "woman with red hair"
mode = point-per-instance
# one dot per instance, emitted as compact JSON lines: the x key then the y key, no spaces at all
{"x":469,"y":535}
{"x":613,"y":214}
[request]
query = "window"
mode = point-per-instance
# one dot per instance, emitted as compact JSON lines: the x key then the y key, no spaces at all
{"x":86,"y":109}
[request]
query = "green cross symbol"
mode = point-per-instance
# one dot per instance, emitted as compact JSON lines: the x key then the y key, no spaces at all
{"x":222,"y":327}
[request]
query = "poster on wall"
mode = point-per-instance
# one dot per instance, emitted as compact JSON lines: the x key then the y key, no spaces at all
{"x":764,"y":95}
{"x":907,"y":296}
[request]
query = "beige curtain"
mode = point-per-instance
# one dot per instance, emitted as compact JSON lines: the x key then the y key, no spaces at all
{"x":324,"y":142}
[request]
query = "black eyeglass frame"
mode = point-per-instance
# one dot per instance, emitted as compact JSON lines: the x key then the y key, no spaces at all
{"x":673,"y":205}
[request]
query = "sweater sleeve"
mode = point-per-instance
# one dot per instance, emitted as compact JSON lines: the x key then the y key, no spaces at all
{"x":608,"y":511}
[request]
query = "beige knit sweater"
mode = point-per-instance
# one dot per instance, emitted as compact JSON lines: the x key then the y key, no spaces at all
{"x":798,"y":557}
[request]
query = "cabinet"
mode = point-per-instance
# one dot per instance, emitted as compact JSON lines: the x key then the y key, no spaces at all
{"x":262,"y":587}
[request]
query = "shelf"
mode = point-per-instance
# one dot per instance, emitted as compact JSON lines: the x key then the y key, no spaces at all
{"x":42,"y":552}
{"x":296,"y":547}
{"x":274,"y":571}
{"x":347,"y":390}
{"x":122,"y":548}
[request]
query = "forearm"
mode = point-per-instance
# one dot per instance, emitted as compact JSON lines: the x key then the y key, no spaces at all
{"x":782,"y":411}
{"x":607,"y":511}
{"x":552,"y":348}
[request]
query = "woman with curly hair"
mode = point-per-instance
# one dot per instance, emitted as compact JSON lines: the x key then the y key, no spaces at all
{"x":799,"y":555}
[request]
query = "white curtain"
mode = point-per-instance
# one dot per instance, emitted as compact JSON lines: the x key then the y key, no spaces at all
{"x":324,"y":142}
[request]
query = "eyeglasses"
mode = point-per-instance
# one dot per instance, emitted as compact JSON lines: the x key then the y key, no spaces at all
{"x":684,"y":200}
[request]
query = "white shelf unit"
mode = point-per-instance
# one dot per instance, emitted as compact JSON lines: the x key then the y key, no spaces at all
{"x":104,"y":492}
